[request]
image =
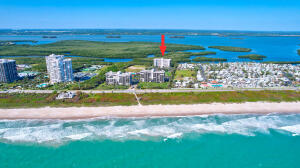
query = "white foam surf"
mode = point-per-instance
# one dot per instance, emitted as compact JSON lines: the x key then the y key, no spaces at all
{"x":295,"y":129}
{"x":57,"y":131}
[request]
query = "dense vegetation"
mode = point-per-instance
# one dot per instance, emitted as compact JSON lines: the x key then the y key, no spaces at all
{"x":253,"y":57}
{"x":94,"y":49}
{"x":223,"y":97}
{"x":205,"y":59}
{"x":179,"y":57}
{"x":203,"y":53}
{"x":298,"y":52}
{"x":19,"y":100}
{"x":232,"y":49}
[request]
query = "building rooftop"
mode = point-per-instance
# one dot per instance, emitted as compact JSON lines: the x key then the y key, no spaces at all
{"x":162,"y":59}
{"x":55,"y":56}
{"x":6,"y":60}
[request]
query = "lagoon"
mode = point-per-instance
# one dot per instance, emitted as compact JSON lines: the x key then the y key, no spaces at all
{"x":275,"y":48}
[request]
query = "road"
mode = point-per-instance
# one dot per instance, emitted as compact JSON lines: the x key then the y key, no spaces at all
{"x":149,"y":90}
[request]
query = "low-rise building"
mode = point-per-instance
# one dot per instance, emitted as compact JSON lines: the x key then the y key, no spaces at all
{"x":28,"y":74}
{"x":65,"y":95}
{"x":23,"y":66}
{"x":185,"y":66}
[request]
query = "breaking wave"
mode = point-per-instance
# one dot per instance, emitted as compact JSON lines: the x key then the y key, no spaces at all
{"x":164,"y":128}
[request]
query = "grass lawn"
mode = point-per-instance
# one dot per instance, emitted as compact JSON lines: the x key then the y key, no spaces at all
{"x":135,"y":68}
{"x":180,"y":74}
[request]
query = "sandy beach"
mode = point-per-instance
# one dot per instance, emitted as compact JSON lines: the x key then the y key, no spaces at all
{"x":149,"y":110}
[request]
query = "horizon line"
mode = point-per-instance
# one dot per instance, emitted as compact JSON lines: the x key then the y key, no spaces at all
{"x":149,"y":29}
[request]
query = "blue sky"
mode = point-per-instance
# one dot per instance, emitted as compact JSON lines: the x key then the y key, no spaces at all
{"x":273,"y":15}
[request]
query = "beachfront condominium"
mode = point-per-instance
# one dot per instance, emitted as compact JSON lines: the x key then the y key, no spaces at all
{"x":118,"y":78}
{"x":161,"y":62}
{"x":59,"y":69}
{"x":8,"y":70}
{"x":152,"y":76}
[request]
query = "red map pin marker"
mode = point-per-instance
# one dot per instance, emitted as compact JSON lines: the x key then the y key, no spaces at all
{"x":163,"y":47}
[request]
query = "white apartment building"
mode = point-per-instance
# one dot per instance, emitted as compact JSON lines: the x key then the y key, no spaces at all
{"x":59,"y":69}
{"x":152,"y":76}
{"x":118,"y":78}
{"x":161,"y":62}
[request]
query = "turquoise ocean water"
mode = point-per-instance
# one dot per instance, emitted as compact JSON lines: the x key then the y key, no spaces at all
{"x":233,"y":141}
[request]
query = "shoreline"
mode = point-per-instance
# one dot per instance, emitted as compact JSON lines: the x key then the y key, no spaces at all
{"x":72,"y":113}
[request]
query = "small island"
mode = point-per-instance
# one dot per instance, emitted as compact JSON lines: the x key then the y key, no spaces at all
{"x":49,"y":37}
{"x":179,"y":37}
{"x":237,"y":38}
{"x":232,"y":49}
{"x":113,"y":36}
{"x":204,"y":53}
{"x":252,"y":57}
{"x":205,"y":59}
{"x":13,"y":42}
{"x":298,"y":52}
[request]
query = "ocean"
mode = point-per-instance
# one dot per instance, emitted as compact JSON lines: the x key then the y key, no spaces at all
{"x":210,"y":141}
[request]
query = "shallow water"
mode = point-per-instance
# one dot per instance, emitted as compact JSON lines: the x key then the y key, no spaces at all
{"x":199,"y":141}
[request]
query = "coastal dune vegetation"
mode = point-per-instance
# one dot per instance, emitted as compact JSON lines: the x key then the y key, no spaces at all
{"x":31,"y":100}
{"x":220,"y":97}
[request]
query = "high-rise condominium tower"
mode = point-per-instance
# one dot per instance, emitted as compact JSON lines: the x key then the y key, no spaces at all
{"x":59,"y":69}
{"x":8,"y":70}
